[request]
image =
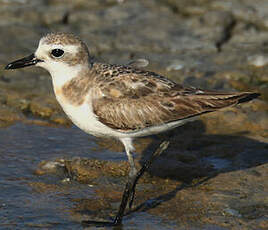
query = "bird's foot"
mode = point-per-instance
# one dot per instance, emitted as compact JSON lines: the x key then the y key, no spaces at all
{"x":87,"y":223}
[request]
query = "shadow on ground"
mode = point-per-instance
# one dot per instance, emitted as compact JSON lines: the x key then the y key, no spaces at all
{"x":223,"y":178}
{"x":192,"y":153}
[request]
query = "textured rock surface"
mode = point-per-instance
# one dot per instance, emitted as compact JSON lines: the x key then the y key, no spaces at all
{"x":214,"y":175}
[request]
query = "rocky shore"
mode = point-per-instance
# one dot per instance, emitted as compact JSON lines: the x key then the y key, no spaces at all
{"x":214,"y":174}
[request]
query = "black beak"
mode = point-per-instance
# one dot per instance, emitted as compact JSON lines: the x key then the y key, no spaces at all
{"x":21,"y":63}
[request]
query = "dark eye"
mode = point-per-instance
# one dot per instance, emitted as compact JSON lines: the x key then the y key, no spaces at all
{"x":57,"y":52}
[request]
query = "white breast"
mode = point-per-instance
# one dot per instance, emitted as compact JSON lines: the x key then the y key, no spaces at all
{"x":83,"y":117}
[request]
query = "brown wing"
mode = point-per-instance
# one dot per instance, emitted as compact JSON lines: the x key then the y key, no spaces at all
{"x":136,"y":100}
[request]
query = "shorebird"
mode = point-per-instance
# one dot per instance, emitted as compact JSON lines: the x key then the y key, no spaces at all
{"x":120,"y":101}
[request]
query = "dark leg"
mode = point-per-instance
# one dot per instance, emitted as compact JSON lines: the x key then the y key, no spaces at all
{"x":129,"y":192}
{"x":163,"y":146}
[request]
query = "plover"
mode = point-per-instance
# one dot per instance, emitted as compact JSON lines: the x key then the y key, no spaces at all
{"x":120,"y":101}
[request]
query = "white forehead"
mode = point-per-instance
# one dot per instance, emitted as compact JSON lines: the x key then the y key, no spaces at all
{"x":47,"y":47}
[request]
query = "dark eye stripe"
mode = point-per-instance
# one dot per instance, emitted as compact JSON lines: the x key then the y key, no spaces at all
{"x":57,"y":53}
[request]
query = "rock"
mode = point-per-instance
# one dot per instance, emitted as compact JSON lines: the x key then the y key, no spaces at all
{"x":48,"y":167}
{"x":246,"y":10}
{"x":221,"y":201}
{"x":86,"y":171}
{"x":250,"y":118}
{"x":215,"y":169}
{"x":176,"y":65}
{"x":16,"y":100}
{"x":43,"y":107}
{"x":60,"y":119}
{"x":9,"y":115}
{"x":44,"y":188}
{"x":258,"y":60}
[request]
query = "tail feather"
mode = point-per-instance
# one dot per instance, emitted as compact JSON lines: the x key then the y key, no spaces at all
{"x":248,"y":97}
{"x":209,"y":102}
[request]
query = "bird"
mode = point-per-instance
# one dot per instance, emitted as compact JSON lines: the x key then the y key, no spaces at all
{"x":120,"y":101}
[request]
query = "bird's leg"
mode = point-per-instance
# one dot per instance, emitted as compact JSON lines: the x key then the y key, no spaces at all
{"x":125,"y":199}
{"x":134,"y":176}
{"x":144,"y":167}
{"x":133,"y":170}
{"x":129,"y":191}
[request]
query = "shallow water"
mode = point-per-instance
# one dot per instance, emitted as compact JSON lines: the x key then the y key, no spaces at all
{"x":22,"y":206}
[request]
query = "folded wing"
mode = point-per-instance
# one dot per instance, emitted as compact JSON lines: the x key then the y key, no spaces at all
{"x":136,"y":100}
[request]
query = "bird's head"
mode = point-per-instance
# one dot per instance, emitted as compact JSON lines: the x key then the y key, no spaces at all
{"x":58,"y":53}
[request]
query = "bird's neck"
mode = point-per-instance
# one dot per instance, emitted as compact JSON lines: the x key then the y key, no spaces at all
{"x":71,"y":86}
{"x":62,"y":75}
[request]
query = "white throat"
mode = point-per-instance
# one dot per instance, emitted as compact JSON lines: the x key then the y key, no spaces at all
{"x":62,"y":73}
